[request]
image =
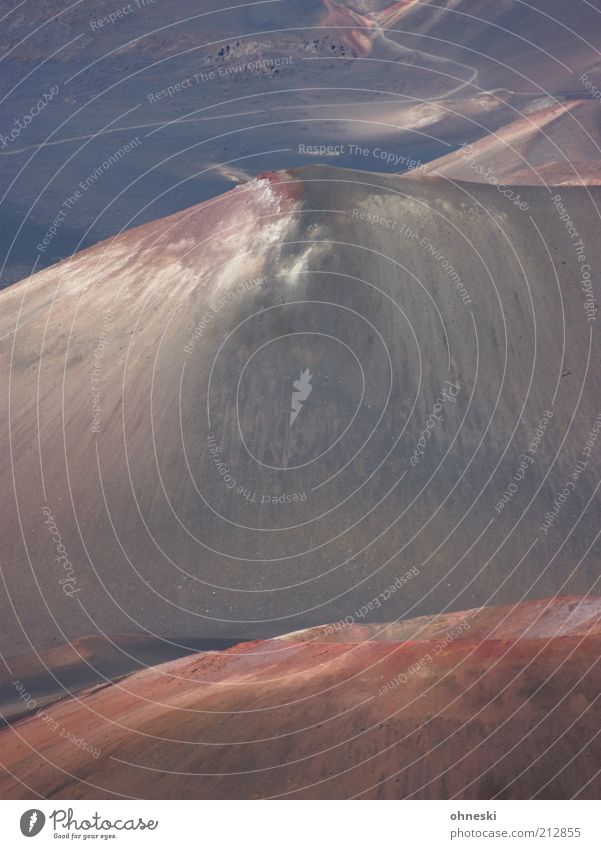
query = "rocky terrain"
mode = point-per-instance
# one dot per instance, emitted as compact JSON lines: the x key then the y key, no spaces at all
{"x":479,"y":705}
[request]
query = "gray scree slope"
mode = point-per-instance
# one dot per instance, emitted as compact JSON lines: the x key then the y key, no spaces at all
{"x":152,"y":381}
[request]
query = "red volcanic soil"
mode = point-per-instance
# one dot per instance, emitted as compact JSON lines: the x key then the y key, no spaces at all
{"x":339,"y":16}
{"x":564,"y":616}
{"x":557,"y":145}
{"x":472,"y":708}
{"x":41,"y":678}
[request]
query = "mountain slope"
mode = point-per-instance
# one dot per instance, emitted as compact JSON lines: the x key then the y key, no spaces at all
{"x":200,"y":91}
{"x":448,"y":715}
{"x":445,"y":445}
{"x":557,"y":145}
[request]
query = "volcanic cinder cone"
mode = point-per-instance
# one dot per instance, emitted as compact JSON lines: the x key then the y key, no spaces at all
{"x":489,"y":703}
{"x":443,"y":452}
